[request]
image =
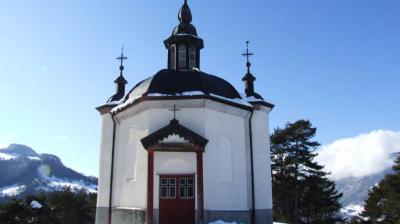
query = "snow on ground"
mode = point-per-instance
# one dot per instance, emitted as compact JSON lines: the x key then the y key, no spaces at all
{"x":36,"y":204}
{"x":12,"y":190}
{"x":222,"y":222}
{"x":75,"y":185}
{"x":352,"y":210}
{"x":4,"y":156}
{"x":33,"y":158}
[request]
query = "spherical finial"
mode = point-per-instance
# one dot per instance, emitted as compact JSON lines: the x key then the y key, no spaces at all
{"x":121,"y":68}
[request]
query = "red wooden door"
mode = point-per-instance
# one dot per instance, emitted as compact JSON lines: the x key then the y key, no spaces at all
{"x":177,"y":202}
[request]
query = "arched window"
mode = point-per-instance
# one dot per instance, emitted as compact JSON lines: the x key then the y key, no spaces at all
{"x":172,"y":57}
{"x":182,"y":56}
{"x":192,"y":57}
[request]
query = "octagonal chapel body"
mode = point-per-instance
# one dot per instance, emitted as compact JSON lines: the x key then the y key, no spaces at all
{"x":184,"y":146}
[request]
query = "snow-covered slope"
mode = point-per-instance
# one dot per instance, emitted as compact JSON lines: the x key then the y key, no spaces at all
{"x":355,"y":190}
{"x":24,"y":172}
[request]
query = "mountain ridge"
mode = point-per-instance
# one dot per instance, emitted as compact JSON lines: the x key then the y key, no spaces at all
{"x":25,"y":172}
{"x":355,"y":189}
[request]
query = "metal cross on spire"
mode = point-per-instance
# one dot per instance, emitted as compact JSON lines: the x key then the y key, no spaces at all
{"x":174,"y":110}
{"x":122,"y":57}
{"x":247,"y":54}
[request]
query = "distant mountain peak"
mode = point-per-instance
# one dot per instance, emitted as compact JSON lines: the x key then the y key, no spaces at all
{"x":19,"y":150}
{"x":25,"y":172}
{"x":394,"y":155}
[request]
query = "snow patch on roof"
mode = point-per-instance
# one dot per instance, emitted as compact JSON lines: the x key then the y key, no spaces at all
{"x":188,"y":93}
{"x":250,"y":98}
{"x":237,"y":100}
{"x":125,"y":104}
{"x":174,"y":139}
{"x":12,"y":190}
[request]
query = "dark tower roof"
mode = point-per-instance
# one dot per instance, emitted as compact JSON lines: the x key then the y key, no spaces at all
{"x":185,"y":19}
{"x":185,"y":15}
{"x":185,"y":31}
{"x":120,"y":80}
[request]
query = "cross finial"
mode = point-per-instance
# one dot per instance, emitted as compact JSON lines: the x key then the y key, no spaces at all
{"x":247,"y":54}
{"x":122,"y":57}
{"x":174,"y":110}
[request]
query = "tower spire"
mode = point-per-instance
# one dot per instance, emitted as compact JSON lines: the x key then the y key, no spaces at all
{"x":248,"y":78}
{"x":247,"y":54}
{"x":185,"y":15}
{"x":122,"y":58}
{"x":120,"y":81}
{"x":184,"y":45}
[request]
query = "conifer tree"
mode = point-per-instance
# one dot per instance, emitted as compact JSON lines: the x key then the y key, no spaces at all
{"x":59,"y":207}
{"x":383,"y":202}
{"x":302,"y":193}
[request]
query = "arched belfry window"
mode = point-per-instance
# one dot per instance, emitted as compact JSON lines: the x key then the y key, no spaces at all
{"x":182,"y":56}
{"x":172,"y":57}
{"x":192,"y":57}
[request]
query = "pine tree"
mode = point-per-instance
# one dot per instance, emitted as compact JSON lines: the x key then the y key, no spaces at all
{"x":383,"y":202}
{"x":60,"y":207}
{"x":302,"y":193}
{"x":73,"y":207}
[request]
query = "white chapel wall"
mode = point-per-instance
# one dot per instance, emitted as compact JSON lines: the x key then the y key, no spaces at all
{"x":105,"y":162}
{"x":262,"y":163}
{"x":130,"y":170}
{"x":224,"y":126}
{"x":230,"y":192}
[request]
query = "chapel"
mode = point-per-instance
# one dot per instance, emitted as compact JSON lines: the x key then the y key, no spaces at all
{"x":184,"y":146}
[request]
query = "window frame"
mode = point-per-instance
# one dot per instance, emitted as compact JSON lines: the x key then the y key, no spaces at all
{"x":172,"y":57}
{"x":177,"y":186}
{"x":182,"y":54}
{"x":192,"y":56}
{"x":168,"y":186}
{"x":186,"y":185}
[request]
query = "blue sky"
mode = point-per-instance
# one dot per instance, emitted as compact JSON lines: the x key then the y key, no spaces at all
{"x":335,"y":62}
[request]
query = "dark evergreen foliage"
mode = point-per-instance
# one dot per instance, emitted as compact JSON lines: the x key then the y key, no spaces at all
{"x":383,"y":202}
{"x":62,"y":207}
{"x":302,"y":193}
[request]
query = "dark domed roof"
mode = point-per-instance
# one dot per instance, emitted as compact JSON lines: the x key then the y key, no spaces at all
{"x":172,"y":82}
{"x":185,"y":28}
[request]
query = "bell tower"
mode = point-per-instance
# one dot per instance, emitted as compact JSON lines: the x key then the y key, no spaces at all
{"x":184,"y":45}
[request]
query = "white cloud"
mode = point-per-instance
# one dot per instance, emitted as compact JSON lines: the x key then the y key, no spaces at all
{"x":359,"y":156}
{"x":2,"y":146}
